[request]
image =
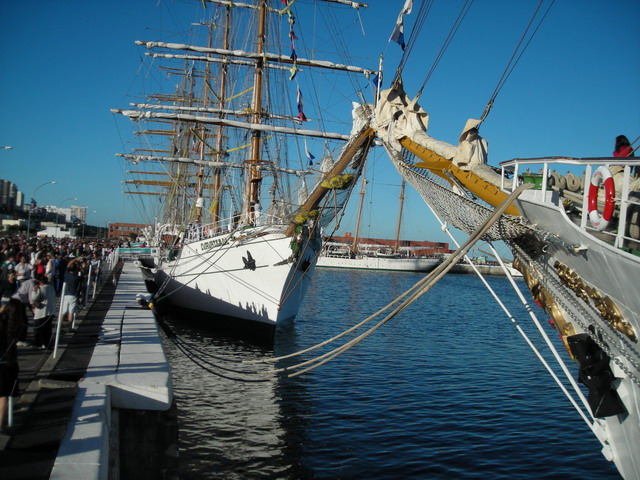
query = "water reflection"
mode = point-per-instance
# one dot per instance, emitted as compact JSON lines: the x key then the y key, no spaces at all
{"x":427,"y":396}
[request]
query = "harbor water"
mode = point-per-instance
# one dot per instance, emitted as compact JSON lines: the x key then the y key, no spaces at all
{"x":447,"y":389}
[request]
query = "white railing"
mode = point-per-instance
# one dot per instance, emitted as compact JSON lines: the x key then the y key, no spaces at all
{"x":95,"y":278}
{"x":196,"y":232}
{"x":543,"y":194}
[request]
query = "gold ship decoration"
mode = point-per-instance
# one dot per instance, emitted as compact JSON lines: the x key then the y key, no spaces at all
{"x":609,"y":311}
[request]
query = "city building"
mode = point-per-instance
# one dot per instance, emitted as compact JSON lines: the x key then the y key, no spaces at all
{"x":8,"y":196}
{"x":79,"y":212}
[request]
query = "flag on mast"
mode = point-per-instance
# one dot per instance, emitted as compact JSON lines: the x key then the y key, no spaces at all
{"x":398,"y":32}
{"x":301,"y":115}
{"x":309,"y":155}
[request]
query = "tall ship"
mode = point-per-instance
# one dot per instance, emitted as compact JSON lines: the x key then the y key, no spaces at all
{"x":576,"y":240}
{"x":236,"y":166}
{"x":339,"y":255}
{"x":573,"y":227}
{"x":359,"y":255}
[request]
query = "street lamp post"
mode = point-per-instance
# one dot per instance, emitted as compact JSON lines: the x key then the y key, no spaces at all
{"x":58,"y":211}
{"x":33,"y":196}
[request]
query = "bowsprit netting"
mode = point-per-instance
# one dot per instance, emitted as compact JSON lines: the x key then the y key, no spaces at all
{"x":458,"y":211}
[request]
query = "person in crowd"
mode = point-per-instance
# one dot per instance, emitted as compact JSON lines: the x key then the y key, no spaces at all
{"x":11,"y":315}
{"x":8,"y":287}
{"x":40,"y":266}
{"x":43,"y":299}
{"x":62,"y":266}
{"x":23,"y":269}
{"x":94,"y":263}
{"x":8,"y":265}
{"x":72,"y":282}
{"x":623,"y":148}
{"x":49,"y":269}
{"x":23,"y":295}
{"x":57,"y":281}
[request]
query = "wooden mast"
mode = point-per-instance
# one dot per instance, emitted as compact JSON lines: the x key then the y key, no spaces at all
{"x":255,"y":176}
{"x":217,"y":177}
{"x":356,"y":233}
{"x":396,"y":245}
{"x":203,"y":136}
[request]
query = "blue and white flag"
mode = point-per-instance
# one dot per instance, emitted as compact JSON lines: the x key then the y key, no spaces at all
{"x":308,"y":153}
{"x":377,"y":80}
{"x":398,"y":32}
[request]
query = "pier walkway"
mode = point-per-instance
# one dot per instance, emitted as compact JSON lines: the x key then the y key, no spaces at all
{"x":80,"y":414}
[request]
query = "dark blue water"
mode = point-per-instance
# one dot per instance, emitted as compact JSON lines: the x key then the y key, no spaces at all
{"x":447,"y":389}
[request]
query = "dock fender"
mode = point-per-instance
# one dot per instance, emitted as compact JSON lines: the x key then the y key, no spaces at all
{"x":596,"y":375}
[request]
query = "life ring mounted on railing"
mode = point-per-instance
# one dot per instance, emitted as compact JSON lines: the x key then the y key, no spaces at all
{"x":600,"y":221}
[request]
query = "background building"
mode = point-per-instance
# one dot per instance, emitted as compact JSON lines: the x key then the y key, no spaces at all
{"x":8,"y":196}
{"x":125,"y":231}
{"x":79,"y":212}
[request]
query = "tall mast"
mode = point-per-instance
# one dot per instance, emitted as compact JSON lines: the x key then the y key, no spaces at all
{"x":203,"y":137}
{"x":217,"y":191}
{"x":255,"y":177}
{"x":396,"y":245}
{"x":354,"y":245}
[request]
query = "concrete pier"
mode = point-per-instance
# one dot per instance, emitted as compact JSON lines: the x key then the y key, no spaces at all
{"x":104,"y":408}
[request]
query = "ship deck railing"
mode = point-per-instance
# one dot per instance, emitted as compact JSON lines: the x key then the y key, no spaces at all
{"x":624,"y":198}
{"x":197,"y":232}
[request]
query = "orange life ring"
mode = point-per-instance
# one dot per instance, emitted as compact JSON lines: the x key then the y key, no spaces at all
{"x":601,"y":176}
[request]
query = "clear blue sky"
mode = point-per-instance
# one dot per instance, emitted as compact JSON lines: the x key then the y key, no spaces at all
{"x":65,"y":64}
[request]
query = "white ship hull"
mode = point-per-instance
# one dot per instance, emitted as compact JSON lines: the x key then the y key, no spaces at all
{"x":364,"y":262}
{"x":574,"y":247}
{"x":612,"y":273}
{"x":239,"y":278}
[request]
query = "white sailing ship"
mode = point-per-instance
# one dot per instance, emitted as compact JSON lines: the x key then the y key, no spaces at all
{"x":235,"y":142}
{"x":337,"y":255}
{"x":360,"y":256}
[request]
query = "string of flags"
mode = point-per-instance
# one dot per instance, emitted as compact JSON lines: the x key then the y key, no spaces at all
{"x":294,"y":70}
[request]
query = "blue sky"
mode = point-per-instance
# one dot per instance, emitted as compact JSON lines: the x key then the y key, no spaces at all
{"x":65,"y":64}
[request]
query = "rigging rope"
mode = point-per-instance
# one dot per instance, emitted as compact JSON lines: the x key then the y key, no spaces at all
{"x":513,"y":61}
{"x":454,"y":29}
{"x":522,"y":333}
{"x":202,"y":362}
{"x":421,"y":287}
{"x":421,"y":17}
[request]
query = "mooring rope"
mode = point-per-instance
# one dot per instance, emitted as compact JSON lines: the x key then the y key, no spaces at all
{"x":422,"y":287}
{"x":204,"y":363}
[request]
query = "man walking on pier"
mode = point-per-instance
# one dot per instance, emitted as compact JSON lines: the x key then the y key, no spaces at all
{"x":70,"y":290}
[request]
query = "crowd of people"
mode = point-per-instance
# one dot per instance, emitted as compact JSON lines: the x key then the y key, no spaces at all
{"x":34,"y":272}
